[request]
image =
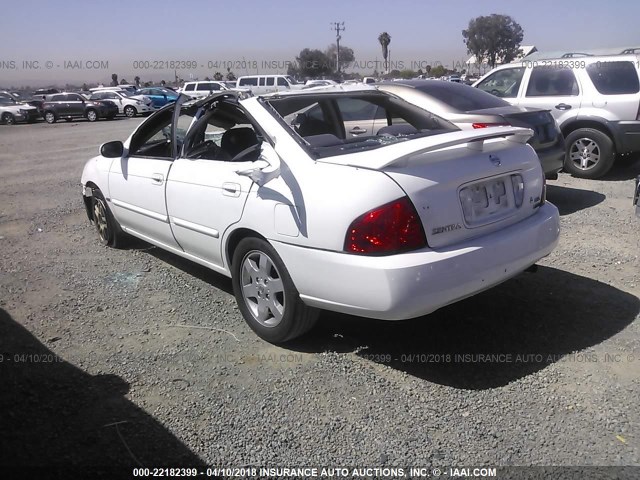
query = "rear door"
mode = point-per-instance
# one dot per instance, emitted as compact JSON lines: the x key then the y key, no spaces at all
{"x":205,"y":195}
{"x":358,"y":116}
{"x":553,"y":88}
{"x":75,"y":104}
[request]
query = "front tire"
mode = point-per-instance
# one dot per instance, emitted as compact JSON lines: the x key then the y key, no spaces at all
{"x":92,"y":115}
{"x":8,"y":119}
{"x":130,"y":111}
{"x":590,"y":153}
{"x":266,"y":295}
{"x":109,"y":231}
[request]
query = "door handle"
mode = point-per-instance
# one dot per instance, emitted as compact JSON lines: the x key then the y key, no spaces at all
{"x":157,"y":179}
{"x":231,"y":189}
{"x":563,"y":106}
{"x":357,"y":130}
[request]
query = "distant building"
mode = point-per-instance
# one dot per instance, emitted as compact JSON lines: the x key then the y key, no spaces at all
{"x":473,"y":65}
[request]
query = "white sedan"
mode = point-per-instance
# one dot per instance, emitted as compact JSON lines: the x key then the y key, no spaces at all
{"x":392,"y":225}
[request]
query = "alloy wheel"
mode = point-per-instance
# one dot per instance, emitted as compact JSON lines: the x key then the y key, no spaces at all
{"x":262,"y":288}
{"x":584,"y":153}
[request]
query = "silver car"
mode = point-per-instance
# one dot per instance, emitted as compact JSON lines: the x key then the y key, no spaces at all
{"x":469,"y":108}
{"x":594,"y":99}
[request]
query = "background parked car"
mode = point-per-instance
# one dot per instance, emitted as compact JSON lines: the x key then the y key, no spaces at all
{"x":127,"y":105}
{"x":594,"y":99}
{"x":74,"y":105}
{"x":159,"y":96}
{"x":470,"y":108}
{"x":12,"y":111}
{"x":202,"y":89}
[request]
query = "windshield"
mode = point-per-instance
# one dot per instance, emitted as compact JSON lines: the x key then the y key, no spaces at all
{"x":331,"y":124}
{"x":6,"y":99}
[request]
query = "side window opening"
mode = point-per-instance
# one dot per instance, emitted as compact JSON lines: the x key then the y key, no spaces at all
{"x":614,"y":78}
{"x":223,"y":133}
{"x":503,"y":83}
{"x":552,"y":82}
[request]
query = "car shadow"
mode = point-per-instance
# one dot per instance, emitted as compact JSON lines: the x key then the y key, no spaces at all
{"x":571,"y":200}
{"x":626,"y":167}
{"x":55,"y":414}
{"x":202,"y":273}
{"x":491,"y":339}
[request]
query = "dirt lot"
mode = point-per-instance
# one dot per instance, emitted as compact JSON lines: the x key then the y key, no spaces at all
{"x":137,"y":357}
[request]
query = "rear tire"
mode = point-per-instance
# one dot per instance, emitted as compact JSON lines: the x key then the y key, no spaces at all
{"x":109,"y":231}
{"x":590,"y":153}
{"x":266,"y":295}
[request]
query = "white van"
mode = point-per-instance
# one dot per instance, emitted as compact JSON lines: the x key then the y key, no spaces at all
{"x":202,"y":89}
{"x":259,"y":84}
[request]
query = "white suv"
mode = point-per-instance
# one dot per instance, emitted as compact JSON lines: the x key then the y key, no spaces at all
{"x":202,"y":89}
{"x":594,"y":99}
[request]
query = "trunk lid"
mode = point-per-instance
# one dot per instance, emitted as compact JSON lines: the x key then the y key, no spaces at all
{"x":462,"y":184}
{"x":545,"y":130}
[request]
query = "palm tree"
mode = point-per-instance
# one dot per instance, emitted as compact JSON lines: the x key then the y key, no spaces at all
{"x":385,"y":39}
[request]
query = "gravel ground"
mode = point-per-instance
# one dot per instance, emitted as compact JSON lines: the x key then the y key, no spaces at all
{"x":129,"y":357}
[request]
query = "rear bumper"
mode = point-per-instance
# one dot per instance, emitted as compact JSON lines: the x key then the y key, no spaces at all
{"x":626,"y":135}
{"x":413,"y":284}
{"x":552,"y":158}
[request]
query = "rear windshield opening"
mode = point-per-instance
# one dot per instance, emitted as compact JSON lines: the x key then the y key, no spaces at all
{"x":335,"y":124}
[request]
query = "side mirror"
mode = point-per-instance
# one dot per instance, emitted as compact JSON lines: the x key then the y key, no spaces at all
{"x":112,"y":149}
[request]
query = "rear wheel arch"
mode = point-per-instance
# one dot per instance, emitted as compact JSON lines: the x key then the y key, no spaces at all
{"x":234,"y":239}
{"x":594,"y":124}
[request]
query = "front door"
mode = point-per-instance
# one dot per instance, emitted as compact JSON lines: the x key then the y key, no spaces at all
{"x":138,"y":180}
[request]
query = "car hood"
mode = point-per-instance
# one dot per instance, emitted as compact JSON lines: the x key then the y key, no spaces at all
{"x":16,"y":108}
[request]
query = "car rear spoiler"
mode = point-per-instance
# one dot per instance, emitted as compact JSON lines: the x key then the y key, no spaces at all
{"x":399,"y":154}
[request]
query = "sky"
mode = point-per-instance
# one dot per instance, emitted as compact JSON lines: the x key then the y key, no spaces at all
{"x":80,"y":41}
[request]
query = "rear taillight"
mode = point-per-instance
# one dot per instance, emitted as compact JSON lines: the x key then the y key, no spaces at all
{"x":391,"y":228}
{"x":485,"y":125}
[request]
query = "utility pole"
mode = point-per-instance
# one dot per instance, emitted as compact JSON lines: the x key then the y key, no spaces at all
{"x":338,"y":27}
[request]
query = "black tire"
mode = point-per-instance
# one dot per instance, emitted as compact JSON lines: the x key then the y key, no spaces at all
{"x":50,"y":117}
{"x":296,"y":318}
{"x":590,"y":153}
{"x":8,"y":119}
{"x":92,"y":115}
{"x":130,"y":111}
{"x":109,"y":231}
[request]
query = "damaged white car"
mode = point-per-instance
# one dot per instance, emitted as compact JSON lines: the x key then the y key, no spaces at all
{"x":279,"y":193}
